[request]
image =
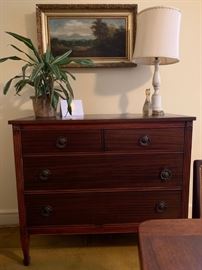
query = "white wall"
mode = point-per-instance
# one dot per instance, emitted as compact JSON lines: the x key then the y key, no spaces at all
{"x":102,"y":90}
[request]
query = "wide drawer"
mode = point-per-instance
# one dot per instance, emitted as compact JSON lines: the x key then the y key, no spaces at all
{"x":56,"y":141}
{"x":103,"y":171}
{"x":166,"y":139}
{"x":101,"y":207}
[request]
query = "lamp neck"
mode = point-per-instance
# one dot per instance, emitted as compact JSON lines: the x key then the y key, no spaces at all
{"x":156,"y":77}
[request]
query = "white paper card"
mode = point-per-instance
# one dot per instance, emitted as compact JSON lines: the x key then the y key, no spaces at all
{"x":77,"y":109}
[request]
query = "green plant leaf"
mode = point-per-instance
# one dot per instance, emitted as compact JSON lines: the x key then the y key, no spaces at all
{"x":40,"y":91}
{"x":62,"y":59}
{"x":61,"y":96}
{"x":10,"y":58}
{"x":48,"y":55}
{"x":27,"y":42}
{"x":64,"y":75}
{"x":55,"y":100}
{"x":67,"y":97}
{"x":69,"y":107}
{"x":56,"y":71}
{"x":36,"y":71}
{"x":69,"y":88}
{"x":8,"y":84}
{"x":24,"y":69}
{"x":15,"y":47}
{"x":21,"y":84}
{"x":86,"y":62}
{"x":65,"y":91}
{"x":38,"y":85}
{"x":66,"y":61}
{"x":58,"y":90}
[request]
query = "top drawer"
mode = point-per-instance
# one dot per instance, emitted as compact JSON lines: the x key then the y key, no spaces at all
{"x":171,"y":140}
{"x":56,"y":141}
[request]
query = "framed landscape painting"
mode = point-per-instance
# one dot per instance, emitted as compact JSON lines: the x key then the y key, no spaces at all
{"x":103,"y":33}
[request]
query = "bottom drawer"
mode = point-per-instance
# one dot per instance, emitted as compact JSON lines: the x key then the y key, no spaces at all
{"x":101,"y":208}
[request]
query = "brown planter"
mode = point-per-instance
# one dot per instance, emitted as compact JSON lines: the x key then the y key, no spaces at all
{"x":42,"y":107}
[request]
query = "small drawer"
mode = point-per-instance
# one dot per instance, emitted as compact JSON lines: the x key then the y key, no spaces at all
{"x":56,"y":141}
{"x":103,"y":171}
{"x":101,"y":208}
{"x":171,"y":140}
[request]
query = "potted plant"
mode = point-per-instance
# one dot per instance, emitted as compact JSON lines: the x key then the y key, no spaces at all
{"x":46,"y":74}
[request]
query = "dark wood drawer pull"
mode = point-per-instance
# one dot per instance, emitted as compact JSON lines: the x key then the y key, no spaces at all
{"x":165,"y":175}
{"x":44,"y":175}
{"x":144,"y":140}
{"x":161,"y":207}
{"x":61,"y":142}
{"x":46,"y":211}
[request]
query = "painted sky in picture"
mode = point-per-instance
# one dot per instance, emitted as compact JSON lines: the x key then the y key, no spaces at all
{"x":65,"y":28}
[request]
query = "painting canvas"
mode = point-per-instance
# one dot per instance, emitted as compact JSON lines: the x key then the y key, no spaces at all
{"x":102,"y":33}
{"x":88,"y":37}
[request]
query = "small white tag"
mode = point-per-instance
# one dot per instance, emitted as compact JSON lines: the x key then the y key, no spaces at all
{"x":77,"y":109}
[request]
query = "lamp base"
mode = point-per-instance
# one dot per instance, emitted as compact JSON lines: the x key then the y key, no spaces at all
{"x":157,"y":113}
{"x":156,"y":98}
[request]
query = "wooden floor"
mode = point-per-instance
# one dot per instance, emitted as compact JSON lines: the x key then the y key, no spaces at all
{"x":93,"y":252}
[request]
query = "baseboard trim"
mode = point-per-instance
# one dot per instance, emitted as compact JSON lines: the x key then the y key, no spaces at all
{"x":9,"y":217}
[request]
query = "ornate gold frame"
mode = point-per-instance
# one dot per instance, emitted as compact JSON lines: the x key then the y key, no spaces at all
{"x":126,"y":11}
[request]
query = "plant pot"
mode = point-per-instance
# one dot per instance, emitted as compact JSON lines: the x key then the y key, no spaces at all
{"x":42,"y":107}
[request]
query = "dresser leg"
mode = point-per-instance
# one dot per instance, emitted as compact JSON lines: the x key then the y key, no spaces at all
{"x":24,"y":236}
{"x":26,"y":261}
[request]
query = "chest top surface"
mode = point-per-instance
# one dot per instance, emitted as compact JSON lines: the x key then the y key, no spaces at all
{"x":102,"y":119}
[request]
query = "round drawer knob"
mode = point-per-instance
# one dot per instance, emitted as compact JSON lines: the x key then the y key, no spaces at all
{"x":46,"y":211}
{"x":165,"y":175}
{"x":161,"y":207}
{"x":44,"y":175}
{"x":61,"y":142}
{"x":144,"y":140}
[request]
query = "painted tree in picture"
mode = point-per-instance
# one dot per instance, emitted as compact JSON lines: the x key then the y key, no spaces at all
{"x":94,"y":37}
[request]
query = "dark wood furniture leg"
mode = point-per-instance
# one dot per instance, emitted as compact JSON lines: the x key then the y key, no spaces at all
{"x":25,"y":239}
{"x":197,"y":189}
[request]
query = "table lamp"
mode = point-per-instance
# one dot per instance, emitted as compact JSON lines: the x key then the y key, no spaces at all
{"x":157,"y":43}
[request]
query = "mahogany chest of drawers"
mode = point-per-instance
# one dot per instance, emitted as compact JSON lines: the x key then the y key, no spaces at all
{"x":100,"y":174}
